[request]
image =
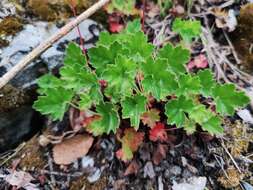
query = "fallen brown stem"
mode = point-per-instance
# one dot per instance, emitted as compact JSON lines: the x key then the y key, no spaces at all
{"x":49,"y":42}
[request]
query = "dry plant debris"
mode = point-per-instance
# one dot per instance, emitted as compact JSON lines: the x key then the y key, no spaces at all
{"x":232,"y":179}
{"x":239,"y":137}
{"x":71,"y":149}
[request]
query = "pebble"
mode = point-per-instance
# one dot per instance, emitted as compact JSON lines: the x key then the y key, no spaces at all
{"x":149,"y":170}
{"x":175,"y":170}
{"x":95,"y":176}
{"x":87,"y":161}
{"x":193,"y":183}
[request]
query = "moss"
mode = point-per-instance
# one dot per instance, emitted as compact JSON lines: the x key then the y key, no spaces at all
{"x":32,"y":156}
{"x":82,"y":183}
{"x":10,"y":25}
{"x":11,"y":98}
{"x":232,"y":180}
{"x":3,"y":43}
{"x":243,"y":38}
{"x":51,"y":10}
{"x":239,"y":137}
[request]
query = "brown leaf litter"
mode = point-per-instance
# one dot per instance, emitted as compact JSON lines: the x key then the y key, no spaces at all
{"x":71,"y":149}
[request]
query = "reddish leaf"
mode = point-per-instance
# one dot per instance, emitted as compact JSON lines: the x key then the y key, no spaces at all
{"x":79,"y":119}
{"x":119,"y":154}
{"x":160,"y":153}
{"x":133,"y":168}
{"x":199,"y":62}
{"x":158,"y":133}
{"x":150,"y":117}
{"x":115,"y":25}
{"x":130,"y":144}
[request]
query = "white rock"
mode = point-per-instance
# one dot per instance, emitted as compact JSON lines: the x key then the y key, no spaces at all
{"x":94,"y":176}
{"x":245,"y":115}
{"x":193,"y":183}
{"x":87,"y":161}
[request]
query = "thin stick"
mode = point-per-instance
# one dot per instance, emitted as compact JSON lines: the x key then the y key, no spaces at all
{"x":231,"y":157}
{"x":49,"y":42}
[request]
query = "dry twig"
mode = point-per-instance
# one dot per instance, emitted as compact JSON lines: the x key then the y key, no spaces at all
{"x":49,"y":42}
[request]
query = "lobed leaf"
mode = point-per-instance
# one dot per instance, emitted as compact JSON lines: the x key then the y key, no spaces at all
{"x":227,"y":99}
{"x":176,"y":110}
{"x":176,"y":57}
{"x":120,"y":78}
{"x":130,"y":143}
{"x":187,"y":29}
{"x":133,"y":107}
{"x":54,"y":102}
{"x":108,"y":120}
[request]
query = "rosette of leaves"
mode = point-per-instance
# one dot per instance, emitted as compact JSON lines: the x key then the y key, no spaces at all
{"x":134,"y":70}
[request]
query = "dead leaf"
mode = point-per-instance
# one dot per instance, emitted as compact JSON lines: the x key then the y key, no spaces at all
{"x":20,"y":179}
{"x":119,"y":184}
{"x":71,"y":149}
{"x":199,"y":62}
{"x":133,"y":168}
{"x":160,"y":153}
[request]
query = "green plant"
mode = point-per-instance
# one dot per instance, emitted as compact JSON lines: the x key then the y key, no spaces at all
{"x":125,"y":7}
{"x":164,"y":5}
{"x":187,"y":29}
{"x":132,"y":71}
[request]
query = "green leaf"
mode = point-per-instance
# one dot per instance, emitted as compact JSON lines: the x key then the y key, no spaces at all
{"x":133,"y":27}
{"x":85,"y":101}
{"x":108,"y":122}
{"x":48,"y":81}
{"x":188,"y":85}
{"x":175,"y":110}
{"x":189,"y":126}
{"x":177,"y":57}
{"x":102,"y":56}
{"x":133,"y":108}
{"x":157,"y":80}
{"x":213,"y":126}
{"x":105,"y":39}
{"x":75,"y":73}
{"x":200,"y":114}
{"x":74,"y":56}
{"x":120,"y":78}
{"x":139,"y":47}
{"x":77,"y":78}
{"x":125,"y":7}
{"x":227,"y":99}
{"x":54,"y":102}
{"x":207,"y":82}
{"x":187,"y":29}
